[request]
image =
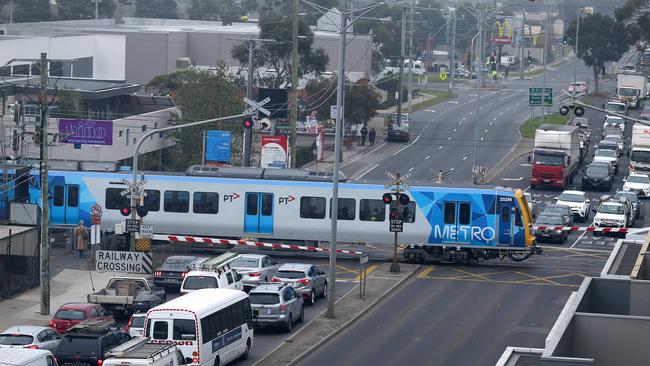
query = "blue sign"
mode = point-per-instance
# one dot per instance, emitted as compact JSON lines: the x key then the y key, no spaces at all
{"x":226,"y":339}
{"x":217,"y":146}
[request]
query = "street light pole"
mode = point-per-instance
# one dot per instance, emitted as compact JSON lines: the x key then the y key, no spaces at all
{"x":575,"y":52}
{"x":521,"y":44}
{"x":294,"y":84}
{"x":45,"y":214}
{"x":96,"y":8}
{"x":411,"y":62}
{"x":400,"y":82}
{"x":452,"y":63}
{"x":478,"y":64}
{"x":544,"y":73}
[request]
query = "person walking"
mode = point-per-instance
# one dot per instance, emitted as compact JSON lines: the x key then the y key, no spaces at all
{"x":371,"y":136}
{"x":494,"y":75}
{"x":507,"y":72}
{"x":364,"y":133}
{"x":81,"y":234}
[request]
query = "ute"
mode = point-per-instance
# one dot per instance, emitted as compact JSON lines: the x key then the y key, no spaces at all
{"x":128,"y":294}
{"x":556,"y":156}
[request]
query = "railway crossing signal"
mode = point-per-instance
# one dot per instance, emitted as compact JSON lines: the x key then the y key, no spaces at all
{"x":125,"y":211}
{"x":248,"y":122}
{"x":396,"y":222}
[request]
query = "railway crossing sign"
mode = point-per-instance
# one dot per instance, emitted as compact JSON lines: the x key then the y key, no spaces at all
{"x":132,"y":225}
{"x":146,"y":231}
{"x":396,"y":225}
{"x":535,"y":97}
{"x":257,"y":106}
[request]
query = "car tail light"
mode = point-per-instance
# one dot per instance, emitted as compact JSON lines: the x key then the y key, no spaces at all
{"x":183,"y":274}
{"x":157,"y":274}
{"x":31,"y":346}
{"x":128,"y":325}
{"x":52,"y":325}
{"x":195,"y":360}
{"x":100,"y":362}
{"x":275,"y":279}
{"x":254,"y":274}
{"x":283,"y":308}
{"x":304,"y":281}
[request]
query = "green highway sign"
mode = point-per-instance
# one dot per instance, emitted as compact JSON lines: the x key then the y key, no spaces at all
{"x":535,"y":97}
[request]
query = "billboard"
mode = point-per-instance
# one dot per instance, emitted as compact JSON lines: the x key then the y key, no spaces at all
{"x":279,"y":104}
{"x":503,"y":31}
{"x":217,"y":146}
{"x":275,"y":152}
{"x":86,"y":131}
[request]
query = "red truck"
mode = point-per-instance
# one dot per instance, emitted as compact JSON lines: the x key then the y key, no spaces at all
{"x":556,"y":156}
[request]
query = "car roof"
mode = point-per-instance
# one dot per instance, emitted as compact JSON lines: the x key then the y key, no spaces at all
{"x":201,"y":273}
{"x":295,"y":266}
{"x":573,"y":192}
{"x":555,"y":205}
{"x":252,"y":256}
{"x":25,"y":329}
{"x":268,"y":287}
{"x":77,"y":306}
{"x":188,"y":258}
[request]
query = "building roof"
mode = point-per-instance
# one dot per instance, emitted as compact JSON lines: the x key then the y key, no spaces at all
{"x":87,"y":88}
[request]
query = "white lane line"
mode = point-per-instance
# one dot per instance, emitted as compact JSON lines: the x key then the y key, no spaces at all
{"x":449,"y":138}
{"x":491,"y":123}
{"x":407,"y":146}
{"x":427,"y":158}
{"x":440,"y":147}
{"x":465,"y":158}
{"x":454,"y":130}
{"x":482,"y":138}
{"x":411,"y":169}
{"x":367,"y":171}
{"x":500,"y":113}
{"x":580,"y":237}
{"x":486,"y":130}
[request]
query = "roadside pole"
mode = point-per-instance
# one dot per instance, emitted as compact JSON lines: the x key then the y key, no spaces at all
{"x":45,"y":214}
{"x":400,"y":82}
{"x":546,"y":25}
{"x":452,"y":62}
{"x":395,"y":220}
{"x":478,"y":64}
{"x":411,"y":62}
{"x":521,"y":44}
{"x":294,"y":84}
{"x":575,"y":54}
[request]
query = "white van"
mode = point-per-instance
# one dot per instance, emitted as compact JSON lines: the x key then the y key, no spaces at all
{"x":213,"y":273}
{"x":141,"y":352}
{"x":26,"y":357}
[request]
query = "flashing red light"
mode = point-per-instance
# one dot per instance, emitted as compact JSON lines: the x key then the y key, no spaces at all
{"x":248,"y":122}
{"x":125,"y":211}
{"x":254,"y":274}
{"x":387,"y":198}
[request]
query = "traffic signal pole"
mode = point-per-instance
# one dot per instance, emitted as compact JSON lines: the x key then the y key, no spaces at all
{"x":45,"y":214}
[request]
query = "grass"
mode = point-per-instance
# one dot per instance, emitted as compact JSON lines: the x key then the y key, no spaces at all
{"x":438,"y":96}
{"x":528,"y":128}
{"x":435,"y":78}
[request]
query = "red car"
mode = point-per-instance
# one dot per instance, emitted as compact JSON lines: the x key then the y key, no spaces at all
{"x":73,"y":313}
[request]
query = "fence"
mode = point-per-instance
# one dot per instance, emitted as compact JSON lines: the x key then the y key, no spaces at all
{"x":19,"y":259}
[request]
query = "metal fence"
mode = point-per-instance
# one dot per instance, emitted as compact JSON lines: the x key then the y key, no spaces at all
{"x":19,"y":261}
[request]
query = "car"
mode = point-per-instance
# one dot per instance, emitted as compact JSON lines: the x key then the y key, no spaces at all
{"x":87,"y":343}
{"x":73,"y":313}
{"x":308,"y":281}
{"x":634,"y":200}
{"x":563,"y":210}
{"x":213,"y":273}
{"x":29,"y":336}
{"x":607,"y":156}
{"x":577,"y":201}
{"x":608,"y":145}
{"x":173,"y":269}
{"x":123,"y":296}
{"x":276,"y":304}
{"x":598,"y":175}
{"x":583,"y":124}
{"x":612,"y":131}
{"x":254,"y":268}
{"x":398,"y":132}
{"x":135,"y":326}
{"x":532,"y":204}
{"x":638,"y":183}
{"x":616,"y":106}
{"x":550,"y":222}
{"x":614,"y":121}
{"x":26,"y":357}
{"x":612,"y":213}
{"x":619,"y":142}
{"x":578,"y":87}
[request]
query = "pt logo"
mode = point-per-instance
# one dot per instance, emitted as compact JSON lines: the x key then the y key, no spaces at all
{"x":285,"y":200}
{"x":230,"y":197}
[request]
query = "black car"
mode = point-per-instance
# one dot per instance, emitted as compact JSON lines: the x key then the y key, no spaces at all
{"x":599,"y":175}
{"x":87,"y":343}
{"x":173,"y":270}
{"x":550,"y":221}
{"x":609,"y":145}
{"x":563,"y":210}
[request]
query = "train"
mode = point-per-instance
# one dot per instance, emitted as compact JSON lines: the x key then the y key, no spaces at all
{"x":439,"y":223}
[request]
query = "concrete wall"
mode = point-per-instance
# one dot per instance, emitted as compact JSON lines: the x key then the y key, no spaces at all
{"x":606,"y":296}
{"x":146,"y":56}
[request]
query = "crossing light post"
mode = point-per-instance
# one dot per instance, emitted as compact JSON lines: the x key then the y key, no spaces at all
{"x":396,"y":221}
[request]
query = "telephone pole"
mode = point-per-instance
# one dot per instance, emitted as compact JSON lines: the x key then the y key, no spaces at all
{"x":546,"y":25}
{"x":411,"y":62}
{"x":400,"y":88}
{"x":452,"y":63}
{"x":96,"y":8}
{"x":45,"y":215}
{"x":294,"y":84}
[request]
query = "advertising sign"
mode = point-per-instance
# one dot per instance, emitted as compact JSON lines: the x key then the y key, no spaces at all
{"x":503,"y":28}
{"x":217,"y":146}
{"x":86,"y":131}
{"x":274,"y":152}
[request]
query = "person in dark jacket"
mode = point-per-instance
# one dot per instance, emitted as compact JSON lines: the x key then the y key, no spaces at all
{"x":364,"y":133}
{"x":371,"y":136}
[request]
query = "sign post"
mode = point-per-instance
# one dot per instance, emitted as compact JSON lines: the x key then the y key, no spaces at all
{"x":363,"y":260}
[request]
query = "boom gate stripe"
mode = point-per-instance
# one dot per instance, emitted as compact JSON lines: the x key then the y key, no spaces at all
{"x":588,"y":228}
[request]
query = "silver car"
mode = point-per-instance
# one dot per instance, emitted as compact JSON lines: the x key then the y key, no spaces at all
{"x":276,"y":304}
{"x":308,"y":281}
{"x":254,"y":268}
{"x":30,"y":336}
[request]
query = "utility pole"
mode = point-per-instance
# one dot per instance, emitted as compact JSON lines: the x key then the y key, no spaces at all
{"x":521,"y":44}
{"x":248,"y":132}
{"x":96,"y":8}
{"x":452,"y":62}
{"x":411,"y":62}
{"x":294,"y":84}
{"x":401,"y":68}
{"x":45,"y":215}
{"x":544,"y":73}
{"x":11,"y":11}
{"x":575,"y":52}
{"x":478,"y":64}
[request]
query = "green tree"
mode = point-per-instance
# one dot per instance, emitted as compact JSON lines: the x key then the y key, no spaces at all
{"x":32,"y":11}
{"x":361,"y":100}
{"x":602,"y":39}
{"x":160,"y":9}
{"x":68,"y":103}
{"x":84,"y":9}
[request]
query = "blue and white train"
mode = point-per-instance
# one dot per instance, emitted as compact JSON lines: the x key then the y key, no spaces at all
{"x":450,"y":224}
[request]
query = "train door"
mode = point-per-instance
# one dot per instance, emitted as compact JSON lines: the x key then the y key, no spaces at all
{"x":457,"y":219}
{"x":258,"y":217}
{"x":64,"y":206}
{"x":505,"y":220}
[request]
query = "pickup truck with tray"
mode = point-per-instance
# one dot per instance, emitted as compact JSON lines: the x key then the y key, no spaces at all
{"x":128,"y":295}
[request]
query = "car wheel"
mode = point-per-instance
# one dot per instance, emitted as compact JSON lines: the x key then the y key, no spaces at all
{"x":312,"y":297}
{"x":217,"y":361}
{"x":324,"y":294}
{"x":302,"y":315}
{"x":244,"y":356}
{"x":289,"y":326}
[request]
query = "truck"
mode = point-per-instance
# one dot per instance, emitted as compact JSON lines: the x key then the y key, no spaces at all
{"x":126,"y":295}
{"x":556,"y":155}
{"x":141,"y":351}
{"x":640,"y":149}
{"x":631,"y":86}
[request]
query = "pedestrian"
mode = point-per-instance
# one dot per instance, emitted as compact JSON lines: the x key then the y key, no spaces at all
{"x":371,"y":136}
{"x":507,"y":71}
{"x":81,"y":233}
{"x":494,"y":75}
{"x":364,"y":133}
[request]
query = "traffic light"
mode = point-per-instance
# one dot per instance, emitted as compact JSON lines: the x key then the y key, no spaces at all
{"x":402,"y":198}
{"x":248,"y":122}
{"x":141,"y":211}
{"x":387,"y":198}
{"x":565,"y":39}
{"x":125,"y":211}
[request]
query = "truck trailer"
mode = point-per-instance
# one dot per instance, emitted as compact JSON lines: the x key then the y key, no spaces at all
{"x":556,"y":155}
{"x":640,"y":149}
{"x":632,"y":86}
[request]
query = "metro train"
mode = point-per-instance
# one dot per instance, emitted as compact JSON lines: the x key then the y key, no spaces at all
{"x":440,"y":223}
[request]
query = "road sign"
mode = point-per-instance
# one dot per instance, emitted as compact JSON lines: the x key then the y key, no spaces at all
{"x":396,"y":225}
{"x":535,"y":97}
{"x":146,"y":231}
{"x":132,"y":225}
{"x":122,"y":261}
{"x":363,"y":259}
{"x":443,"y":75}
{"x":95,"y":234}
{"x":257,"y":106}
{"x":334,"y":111}
{"x":96,"y":210}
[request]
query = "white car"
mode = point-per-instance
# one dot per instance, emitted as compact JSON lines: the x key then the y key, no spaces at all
{"x":30,"y":336}
{"x":639,"y":183}
{"x":578,"y":87}
{"x":607,"y":156}
{"x":611,"y":214}
{"x":613,"y":121}
{"x":577,"y":201}
{"x":255,"y":268}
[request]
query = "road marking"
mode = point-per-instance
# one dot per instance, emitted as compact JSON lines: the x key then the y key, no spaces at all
{"x":454,"y":130}
{"x":500,"y":113}
{"x":491,"y":123}
{"x":440,"y":147}
{"x":481,"y":138}
{"x":367,"y":171}
{"x":465,"y":158}
{"x":486,"y":130}
{"x":427,"y":158}
{"x":460,"y":122}
{"x":580,"y":237}
{"x":425,"y":272}
{"x":513,"y":179}
{"x":411,"y":169}
{"x":449,"y":138}
{"x":369,"y":270}
{"x":525,"y":164}
{"x":407,"y":146}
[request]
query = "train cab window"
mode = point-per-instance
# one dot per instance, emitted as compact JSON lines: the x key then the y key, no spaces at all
{"x":59,"y":196}
{"x":407,"y":212}
{"x":518,"y":221}
{"x":115,"y":200}
{"x":177,"y":201}
{"x":464,"y":214}
{"x":73,"y":196}
{"x":505,"y":214}
{"x":312,"y":207}
{"x":450,"y":213}
{"x":206,"y":202}
{"x":152,"y":200}
{"x":347,"y":208}
{"x":372,"y":210}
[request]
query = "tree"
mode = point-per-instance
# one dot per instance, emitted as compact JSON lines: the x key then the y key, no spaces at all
{"x":84,"y":9}
{"x":602,"y":39}
{"x":277,"y":54}
{"x":32,"y":11}
{"x":68,"y":103}
{"x":161,"y":9}
{"x":361,"y":100}
{"x":228,"y":11}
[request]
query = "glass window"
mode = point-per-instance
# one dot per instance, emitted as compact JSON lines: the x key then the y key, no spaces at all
{"x":152,"y":200}
{"x":450,"y":213}
{"x":115,"y":200}
{"x":347,"y":208}
{"x":267,"y":204}
{"x":251,"y":203}
{"x":505,"y":214}
{"x":144,"y":128}
{"x":464,"y":214}
{"x":160,"y":330}
{"x":226,"y":319}
{"x":59,"y":196}
{"x":237,"y":314}
{"x":73,"y":196}
{"x":372,"y":210}
{"x":229,"y":278}
{"x":177,"y":201}
{"x":407,"y":212}
{"x":247,"y":310}
{"x":205,"y":203}
{"x":70,"y":315}
{"x":312,"y":207}
{"x":184,"y":329}
{"x":199,"y":282}
{"x":93,"y":313}
{"x":15,"y":339}
{"x":518,"y":221}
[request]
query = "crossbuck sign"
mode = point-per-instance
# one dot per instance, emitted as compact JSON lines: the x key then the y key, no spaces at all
{"x":257,"y":106}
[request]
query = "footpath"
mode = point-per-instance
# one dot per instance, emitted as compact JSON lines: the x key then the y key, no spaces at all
{"x":348,"y":309}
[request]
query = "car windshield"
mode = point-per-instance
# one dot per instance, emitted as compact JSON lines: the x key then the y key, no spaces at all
{"x":597,"y":170}
{"x":264,"y":299}
{"x":199,"y":282}
{"x":290,"y":274}
{"x":614,"y":138}
{"x":74,"y":345}
{"x":137,"y":322}
{"x":544,"y":159}
{"x":572,"y":197}
{"x":638,"y":179}
{"x":627,"y":92}
{"x":70,"y":315}
{"x":615,"y":107}
{"x":549,"y":220}
{"x":631,"y":196}
{"x":607,"y":145}
{"x":607,"y":153}
{"x":640,"y":156}
{"x":243,"y":262}
{"x":611,"y":209}
{"x":15,"y":339}
{"x":556,"y":209}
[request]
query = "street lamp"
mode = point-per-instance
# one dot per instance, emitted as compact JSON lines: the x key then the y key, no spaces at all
{"x":575,"y":52}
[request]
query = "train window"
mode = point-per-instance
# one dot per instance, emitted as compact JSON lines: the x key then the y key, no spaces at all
{"x":407,"y":212}
{"x":372,"y":210}
{"x":505,"y":214}
{"x":152,"y":200}
{"x":251,"y":203}
{"x":267,"y":204}
{"x":518,"y":218}
{"x":115,"y":200}
{"x":347,"y":208}
{"x":206,"y":202}
{"x":73,"y":196}
{"x":59,"y":196}
{"x":450,"y":213}
{"x":177,"y":201}
{"x":464,"y":214}
{"x":312,"y":207}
